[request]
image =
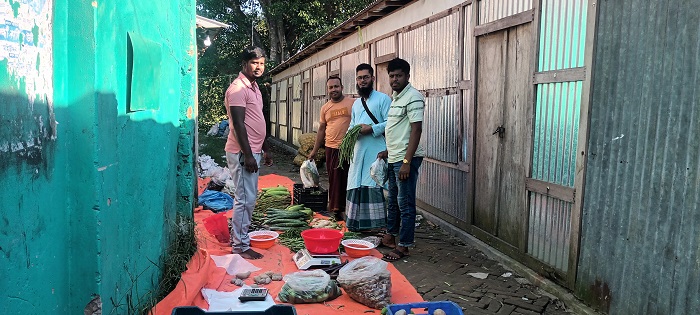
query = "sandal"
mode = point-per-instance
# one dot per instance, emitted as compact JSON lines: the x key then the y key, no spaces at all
{"x":396,"y":252}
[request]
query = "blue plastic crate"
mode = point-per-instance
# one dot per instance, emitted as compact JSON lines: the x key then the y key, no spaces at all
{"x":418,"y":308}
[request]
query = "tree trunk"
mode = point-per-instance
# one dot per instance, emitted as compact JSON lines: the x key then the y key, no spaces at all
{"x":274,"y":54}
{"x":284,"y":48}
{"x":274,"y":45}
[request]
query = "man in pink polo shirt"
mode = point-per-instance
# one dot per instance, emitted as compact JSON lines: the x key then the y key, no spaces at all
{"x":245,"y":146}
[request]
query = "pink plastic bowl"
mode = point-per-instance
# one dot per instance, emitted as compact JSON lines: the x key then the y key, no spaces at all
{"x":322,"y":241}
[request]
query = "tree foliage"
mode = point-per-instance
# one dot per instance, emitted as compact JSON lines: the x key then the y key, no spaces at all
{"x":281,"y":27}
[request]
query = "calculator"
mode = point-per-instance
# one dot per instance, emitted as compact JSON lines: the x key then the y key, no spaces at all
{"x":253,"y":294}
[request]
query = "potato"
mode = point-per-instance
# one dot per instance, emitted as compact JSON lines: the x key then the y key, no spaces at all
{"x":439,"y":312}
{"x":276,"y":277}
{"x":237,"y":282}
{"x":262,"y":279}
{"x":243,"y":275}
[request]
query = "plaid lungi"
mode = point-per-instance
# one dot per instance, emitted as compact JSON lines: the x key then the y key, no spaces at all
{"x":365,"y":209}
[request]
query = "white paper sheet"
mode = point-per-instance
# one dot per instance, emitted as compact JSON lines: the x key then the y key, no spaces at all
{"x":228,"y":301}
{"x":234,"y":264}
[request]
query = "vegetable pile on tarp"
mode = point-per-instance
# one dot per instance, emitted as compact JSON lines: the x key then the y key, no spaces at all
{"x":308,"y":287}
{"x":292,"y":239}
{"x":292,"y":217}
{"x":275,"y":197}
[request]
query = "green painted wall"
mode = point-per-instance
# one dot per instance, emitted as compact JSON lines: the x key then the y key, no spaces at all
{"x":87,"y":210}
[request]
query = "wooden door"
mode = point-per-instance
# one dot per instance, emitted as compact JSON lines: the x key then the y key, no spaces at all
{"x":503,"y":100}
{"x":381,"y":76}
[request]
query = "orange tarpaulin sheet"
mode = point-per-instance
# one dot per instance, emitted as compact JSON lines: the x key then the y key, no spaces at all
{"x":203,"y":273}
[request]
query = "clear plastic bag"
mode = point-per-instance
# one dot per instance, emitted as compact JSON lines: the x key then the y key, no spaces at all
{"x":221,"y":176}
{"x":309,"y":174}
{"x":229,"y":187}
{"x":378,"y":171}
{"x":368,"y":281}
{"x":308,"y":287}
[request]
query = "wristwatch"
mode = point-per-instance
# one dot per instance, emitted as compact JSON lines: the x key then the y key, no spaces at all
{"x":405,"y":161}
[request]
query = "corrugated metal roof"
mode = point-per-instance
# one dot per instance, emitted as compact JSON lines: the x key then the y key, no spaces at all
{"x":641,"y":216}
{"x":372,"y":12}
{"x":209,"y":23}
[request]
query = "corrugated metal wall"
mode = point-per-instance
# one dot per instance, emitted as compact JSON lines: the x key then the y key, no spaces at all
{"x":562,"y":34}
{"x":556,"y":132}
{"x":429,"y":48}
{"x":319,"y":80}
{"x":549,"y":230}
{"x":492,"y":10}
{"x":440,"y":121}
{"x":273,"y":110}
{"x":386,"y":46}
{"x":556,"y":129}
{"x":348,"y":64}
{"x":334,"y":65}
{"x":443,"y":187}
{"x":467,"y":111}
{"x":316,"y":110}
{"x":640,"y":245}
{"x":468,"y":43}
{"x":297,"y":110}
{"x":282,"y":111}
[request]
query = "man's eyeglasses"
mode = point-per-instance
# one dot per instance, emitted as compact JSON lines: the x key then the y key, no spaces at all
{"x":364,"y":78}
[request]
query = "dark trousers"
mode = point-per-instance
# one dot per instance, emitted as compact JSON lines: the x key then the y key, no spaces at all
{"x":337,"y":180}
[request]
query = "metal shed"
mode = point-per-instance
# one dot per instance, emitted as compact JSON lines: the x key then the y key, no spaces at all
{"x":640,"y":233}
{"x":527,"y":67}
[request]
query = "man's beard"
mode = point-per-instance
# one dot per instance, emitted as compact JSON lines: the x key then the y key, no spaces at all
{"x":366,"y":91}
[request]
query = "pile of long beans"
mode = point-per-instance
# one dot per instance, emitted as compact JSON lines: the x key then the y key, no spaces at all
{"x":292,"y":239}
{"x":347,"y":146}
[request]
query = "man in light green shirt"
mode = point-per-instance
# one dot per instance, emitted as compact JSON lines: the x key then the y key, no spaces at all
{"x":405,"y":156}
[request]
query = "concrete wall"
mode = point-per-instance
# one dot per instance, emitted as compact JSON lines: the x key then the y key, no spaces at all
{"x":90,"y":179}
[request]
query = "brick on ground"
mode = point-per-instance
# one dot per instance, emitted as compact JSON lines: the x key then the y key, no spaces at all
{"x":450,"y":267}
{"x":502,"y":292}
{"x":527,"y":293}
{"x":494,"y":306}
{"x":506,"y":310}
{"x":542,"y":301}
{"x":524,"y":304}
{"x":526,"y":312}
{"x":430,"y":296}
{"x":471,"y":310}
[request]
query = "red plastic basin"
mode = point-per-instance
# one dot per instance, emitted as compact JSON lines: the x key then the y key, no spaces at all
{"x":322,"y":241}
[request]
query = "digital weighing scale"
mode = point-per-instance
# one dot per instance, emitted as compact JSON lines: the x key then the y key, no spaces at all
{"x":305,"y":259}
